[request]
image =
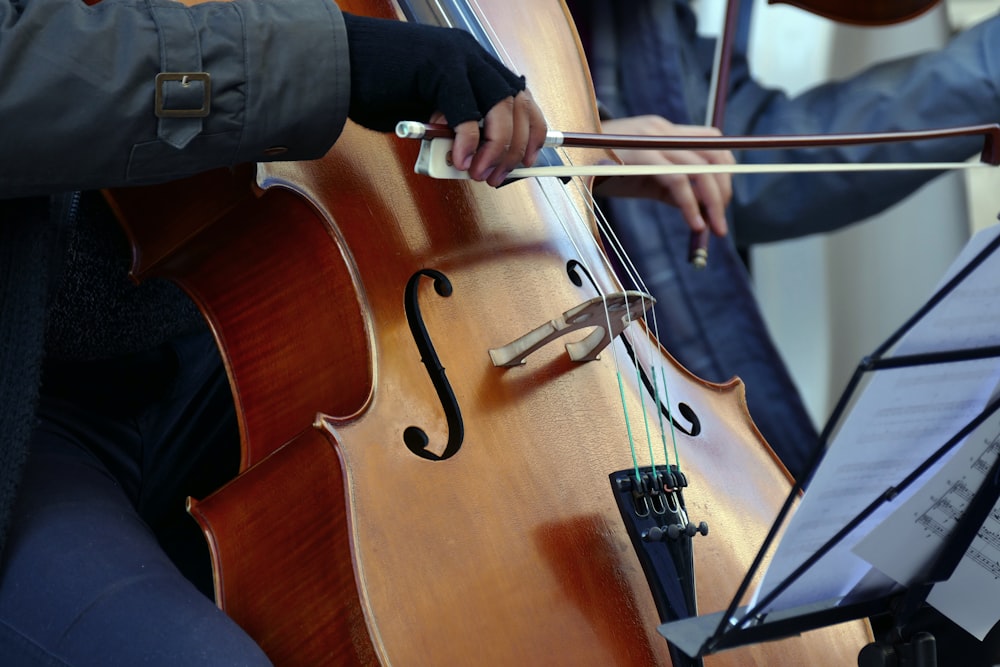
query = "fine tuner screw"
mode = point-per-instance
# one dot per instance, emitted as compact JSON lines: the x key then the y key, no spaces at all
{"x":674,"y":531}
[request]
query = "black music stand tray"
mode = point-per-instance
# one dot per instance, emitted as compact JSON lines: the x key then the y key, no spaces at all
{"x":740,"y":626}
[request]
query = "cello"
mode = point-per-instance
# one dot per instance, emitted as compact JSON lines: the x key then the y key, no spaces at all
{"x":388,"y":512}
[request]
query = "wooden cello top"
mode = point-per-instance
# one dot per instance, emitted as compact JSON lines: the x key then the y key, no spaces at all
{"x":511,"y":550}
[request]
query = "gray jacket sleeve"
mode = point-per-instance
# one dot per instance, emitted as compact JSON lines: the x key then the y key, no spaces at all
{"x":81,"y":106}
{"x":957,"y":85}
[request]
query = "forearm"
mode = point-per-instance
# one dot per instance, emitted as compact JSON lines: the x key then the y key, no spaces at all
{"x":279,"y":80}
{"x":958,"y":85}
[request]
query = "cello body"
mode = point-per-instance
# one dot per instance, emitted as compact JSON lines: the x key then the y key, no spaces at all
{"x":345,"y":539}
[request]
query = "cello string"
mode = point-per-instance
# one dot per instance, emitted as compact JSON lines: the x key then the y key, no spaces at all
{"x":658,"y":378}
{"x":595,"y":209}
{"x":487,"y":29}
{"x":651,"y":330}
{"x":545,"y":190}
{"x":657,"y":375}
{"x":498,"y":46}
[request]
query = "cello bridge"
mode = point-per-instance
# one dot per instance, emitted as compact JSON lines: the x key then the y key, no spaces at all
{"x":608,"y":315}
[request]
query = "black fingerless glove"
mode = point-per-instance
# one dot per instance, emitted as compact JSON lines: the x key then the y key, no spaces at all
{"x":407,"y":71}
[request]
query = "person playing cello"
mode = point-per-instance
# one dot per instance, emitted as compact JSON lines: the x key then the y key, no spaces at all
{"x":115,"y":405}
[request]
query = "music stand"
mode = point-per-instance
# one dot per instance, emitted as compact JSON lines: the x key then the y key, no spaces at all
{"x":739,"y":626}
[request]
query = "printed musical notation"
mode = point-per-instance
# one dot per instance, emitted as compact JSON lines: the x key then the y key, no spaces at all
{"x":906,"y":545}
{"x":946,"y":509}
{"x":940,"y":518}
{"x":985,"y":560}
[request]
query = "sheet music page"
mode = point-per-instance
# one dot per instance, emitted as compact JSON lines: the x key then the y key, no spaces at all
{"x":969,"y":596}
{"x":898,"y":420}
{"x":904,"y":545}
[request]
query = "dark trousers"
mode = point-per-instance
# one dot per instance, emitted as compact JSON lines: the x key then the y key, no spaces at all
{"x":103,"y":566}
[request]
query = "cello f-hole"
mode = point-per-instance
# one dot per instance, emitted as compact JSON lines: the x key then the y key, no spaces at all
{"x":414,"y":437}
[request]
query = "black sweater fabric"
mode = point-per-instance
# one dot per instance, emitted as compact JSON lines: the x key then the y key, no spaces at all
{"x":27,"y":244}
{"x":65,"y":293}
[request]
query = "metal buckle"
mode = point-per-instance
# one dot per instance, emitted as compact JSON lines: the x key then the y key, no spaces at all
{"x":185,"y":79}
